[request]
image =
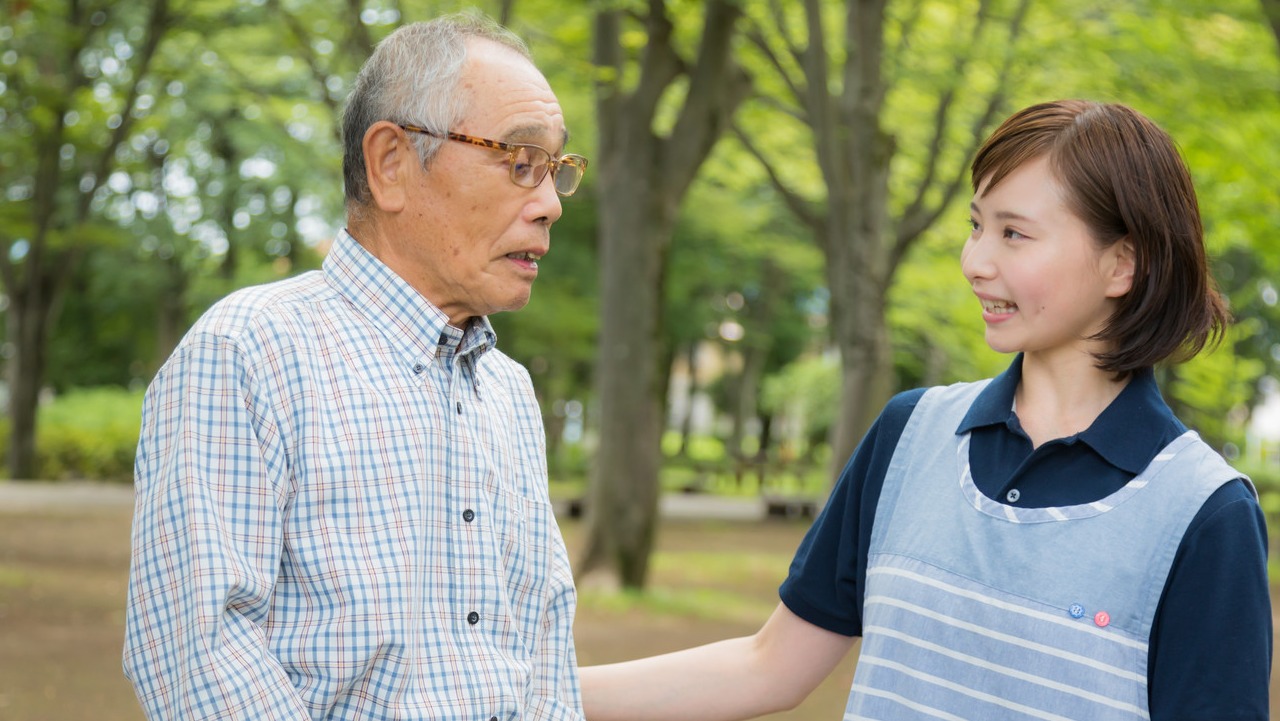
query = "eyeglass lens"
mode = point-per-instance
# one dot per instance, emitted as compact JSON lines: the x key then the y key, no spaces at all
{"x":567,"y":175}
{"x":529,"y":166}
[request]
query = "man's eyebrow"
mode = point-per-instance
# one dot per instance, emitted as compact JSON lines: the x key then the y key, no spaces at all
{"x":531,"y":133}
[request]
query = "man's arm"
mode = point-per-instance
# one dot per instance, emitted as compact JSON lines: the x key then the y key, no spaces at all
{"x":206,"y":545}
{"x":741,"y":678}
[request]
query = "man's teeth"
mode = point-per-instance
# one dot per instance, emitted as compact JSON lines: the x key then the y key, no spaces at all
{"x":999,"y":306}
{"x":525,"y":256}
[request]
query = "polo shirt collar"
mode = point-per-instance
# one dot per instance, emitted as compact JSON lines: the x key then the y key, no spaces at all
{"x":417,"y":329}
{"x":1128,"y":433}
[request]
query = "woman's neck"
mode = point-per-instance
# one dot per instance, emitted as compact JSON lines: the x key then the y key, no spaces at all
{"x":1057,"y":399}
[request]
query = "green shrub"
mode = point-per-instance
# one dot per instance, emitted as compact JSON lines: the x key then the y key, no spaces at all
{"x":89,"y":433}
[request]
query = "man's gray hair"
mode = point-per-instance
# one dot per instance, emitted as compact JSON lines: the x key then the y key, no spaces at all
{"x":412,"y":77}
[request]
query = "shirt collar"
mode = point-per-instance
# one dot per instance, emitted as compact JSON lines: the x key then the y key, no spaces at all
{"x":419,"y":331}
{"x":1127,"y":433}
{"x":995,"y":403}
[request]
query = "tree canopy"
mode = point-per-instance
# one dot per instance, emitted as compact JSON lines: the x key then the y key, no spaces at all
{"x":774,"y":185}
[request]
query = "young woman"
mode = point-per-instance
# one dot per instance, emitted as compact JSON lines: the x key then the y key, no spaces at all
{"x":1048,"y":544}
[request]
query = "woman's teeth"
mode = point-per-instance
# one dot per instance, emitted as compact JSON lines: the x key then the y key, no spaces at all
{"x":999,"y":306}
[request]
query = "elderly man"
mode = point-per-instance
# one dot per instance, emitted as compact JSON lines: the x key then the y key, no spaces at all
{"x":342,"y":509}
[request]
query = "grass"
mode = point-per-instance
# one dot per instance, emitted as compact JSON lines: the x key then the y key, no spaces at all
{"x":702,"y":585}
{"x":14,"y":578}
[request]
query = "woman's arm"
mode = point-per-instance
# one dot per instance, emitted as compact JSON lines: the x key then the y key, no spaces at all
{"x":772,"y":670}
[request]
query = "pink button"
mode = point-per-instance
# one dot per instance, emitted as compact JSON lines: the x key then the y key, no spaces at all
{"x":1102,"y":619}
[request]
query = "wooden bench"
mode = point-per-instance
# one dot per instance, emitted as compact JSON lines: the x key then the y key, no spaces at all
{"x":790,"y":507}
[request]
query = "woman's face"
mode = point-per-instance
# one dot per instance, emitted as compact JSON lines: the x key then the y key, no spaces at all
{"x":1044,"y":284}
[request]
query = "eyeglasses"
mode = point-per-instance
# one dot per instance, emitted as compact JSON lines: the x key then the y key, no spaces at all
{"x":529,"y":163}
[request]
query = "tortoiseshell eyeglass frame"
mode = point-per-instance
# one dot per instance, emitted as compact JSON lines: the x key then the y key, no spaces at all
{"x":576,"y":163}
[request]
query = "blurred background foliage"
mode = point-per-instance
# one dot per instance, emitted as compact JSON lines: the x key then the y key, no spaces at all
{"x":156,"y":154}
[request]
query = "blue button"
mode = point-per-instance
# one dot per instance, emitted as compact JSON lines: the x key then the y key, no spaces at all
{"x":1076,"y":610}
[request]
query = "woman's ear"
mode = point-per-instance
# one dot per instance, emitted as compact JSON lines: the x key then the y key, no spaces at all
{"x":1123,"y":264}
{"x":388,"y":155}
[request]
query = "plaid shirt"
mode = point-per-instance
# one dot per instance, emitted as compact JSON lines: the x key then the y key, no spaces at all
{"x":342,"y":513}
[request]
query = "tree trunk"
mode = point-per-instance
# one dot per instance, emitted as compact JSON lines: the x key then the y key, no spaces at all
{"x":26,"y":375}
{"x":623,"y":498}
{"x":866,"y":373}
{"x":642,"y":179}
{"x":858,"y":242}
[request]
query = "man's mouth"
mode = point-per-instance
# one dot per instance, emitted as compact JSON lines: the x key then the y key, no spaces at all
{"x":531,"y":257}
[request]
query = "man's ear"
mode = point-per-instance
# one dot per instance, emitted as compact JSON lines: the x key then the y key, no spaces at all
{"x":1124,"y":262}
{"x":388,"y":153}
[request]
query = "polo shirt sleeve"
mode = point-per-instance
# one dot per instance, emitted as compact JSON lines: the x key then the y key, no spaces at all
{"x":826,"y":578}
{"x":1210,"y":655}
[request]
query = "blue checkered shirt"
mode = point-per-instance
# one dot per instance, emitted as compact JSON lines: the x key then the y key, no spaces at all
{"x":342,"y":513}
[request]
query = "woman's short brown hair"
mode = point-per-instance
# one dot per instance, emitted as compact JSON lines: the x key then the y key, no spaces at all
{"x":1123,"y":176}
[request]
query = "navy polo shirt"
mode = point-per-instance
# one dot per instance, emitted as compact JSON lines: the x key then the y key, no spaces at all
{"x":1210,"y":646}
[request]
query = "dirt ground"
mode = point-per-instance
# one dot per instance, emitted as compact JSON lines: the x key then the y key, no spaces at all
{"x":62,"y":594}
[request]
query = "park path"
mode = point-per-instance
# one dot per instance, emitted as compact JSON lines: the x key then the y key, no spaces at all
{"x":15,"y":495}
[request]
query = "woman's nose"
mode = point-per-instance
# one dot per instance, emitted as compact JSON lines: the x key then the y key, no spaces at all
{"x":975,"y":260}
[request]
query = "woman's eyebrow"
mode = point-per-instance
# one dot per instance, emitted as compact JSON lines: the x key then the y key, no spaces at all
{"x":1004,"y":214}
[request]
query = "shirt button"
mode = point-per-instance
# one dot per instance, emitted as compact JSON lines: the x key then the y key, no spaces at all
{"x":468,"y":515}
{"x":418,"y":368}
{"x":1076,"y":610}
{"x":473,"y":618}
{"x":1013,"y":495}
{"x":459,"y":407}
{"x":1102,"y":619}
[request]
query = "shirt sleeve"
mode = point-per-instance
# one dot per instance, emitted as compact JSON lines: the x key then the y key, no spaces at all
{"x":209,"y":484}
{"x":828,"y":573}
{"x":1210,"y":654}
{"x":557,"y":692}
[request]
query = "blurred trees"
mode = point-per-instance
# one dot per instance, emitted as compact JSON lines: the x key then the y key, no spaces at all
{"x":78,"y":80}
{"x":155,"y":154}
{"x":873,"y":208}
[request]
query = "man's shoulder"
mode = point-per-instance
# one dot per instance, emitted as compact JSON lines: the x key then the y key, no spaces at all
{"x":504,"y":368}
{"x":277,"y":304}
